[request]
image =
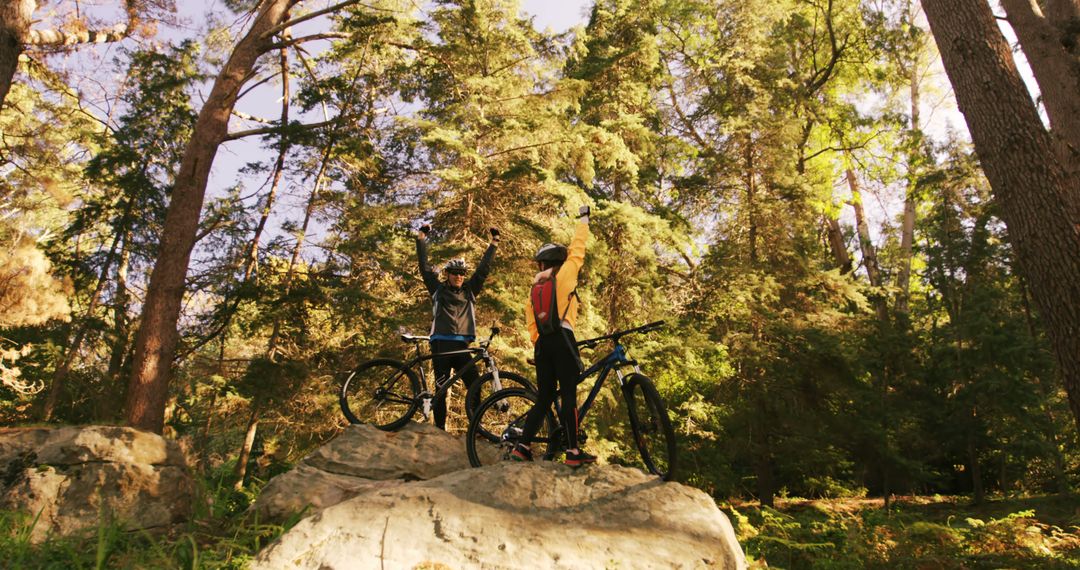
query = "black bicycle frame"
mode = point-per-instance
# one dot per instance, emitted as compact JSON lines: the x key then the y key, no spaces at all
{"x":479,"y":354}
{"x":614,"y":360}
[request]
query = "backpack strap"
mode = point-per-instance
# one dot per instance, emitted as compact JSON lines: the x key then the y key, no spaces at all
{"x":567,"y":309}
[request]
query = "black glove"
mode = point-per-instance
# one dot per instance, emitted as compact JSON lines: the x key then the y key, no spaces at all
{"x":494,"y":234}
{"x":583,"y":212}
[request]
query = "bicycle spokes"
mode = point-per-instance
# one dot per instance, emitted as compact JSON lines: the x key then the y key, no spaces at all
{"x":380,"y":392}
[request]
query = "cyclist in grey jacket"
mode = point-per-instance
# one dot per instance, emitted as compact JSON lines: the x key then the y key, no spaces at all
{"x":453,"y":322}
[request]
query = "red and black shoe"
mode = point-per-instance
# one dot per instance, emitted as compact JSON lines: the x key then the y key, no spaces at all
{"x":521,"y":453}
{"x":579,"y":458}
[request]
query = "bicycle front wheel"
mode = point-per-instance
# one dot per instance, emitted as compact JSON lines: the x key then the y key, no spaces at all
{"x":381,"y":392}
{"x":497,"y":427}
{"x":649,"y":420}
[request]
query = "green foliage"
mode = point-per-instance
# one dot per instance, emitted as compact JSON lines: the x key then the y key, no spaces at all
{"x":919,"y":534}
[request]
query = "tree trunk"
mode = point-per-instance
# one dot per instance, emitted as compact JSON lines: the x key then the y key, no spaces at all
{"x":155,"y":343}
{"x":751,"y":207}
{"x":1035,"y":198}
{"x":866,"y":245}
{"x":907,"y":236}
{"x":978,"y":488}
{"x":245,"y":450}
{"x":836,"y":243}
{"x":14,"y":25}
{"x":121,"y":333}
{"x":1057,"y":74}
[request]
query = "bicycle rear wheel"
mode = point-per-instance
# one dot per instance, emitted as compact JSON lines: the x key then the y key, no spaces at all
{"x":381,"y":392}
{"x":483,"y":388}
{"x":649,"y":420}
{"x":497,"y":425}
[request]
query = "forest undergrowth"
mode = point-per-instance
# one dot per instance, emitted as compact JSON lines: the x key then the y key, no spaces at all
{"x":916,"y":532}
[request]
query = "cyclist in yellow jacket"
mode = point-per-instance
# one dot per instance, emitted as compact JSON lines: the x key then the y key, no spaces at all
{"x":550,"y":314}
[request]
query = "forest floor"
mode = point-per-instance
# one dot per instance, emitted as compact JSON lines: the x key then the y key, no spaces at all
{"x":917,"y":532}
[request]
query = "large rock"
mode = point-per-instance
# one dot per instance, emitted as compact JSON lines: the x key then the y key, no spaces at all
{"x":538,"y":515}
{"x":73,"y":475}
{"x":361,"y":458}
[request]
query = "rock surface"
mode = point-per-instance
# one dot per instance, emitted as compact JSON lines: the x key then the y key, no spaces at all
{"x":409,"y":499}
{"x":362,"y":457}
{"x":538,"y":515}
{"x":71,"y":475}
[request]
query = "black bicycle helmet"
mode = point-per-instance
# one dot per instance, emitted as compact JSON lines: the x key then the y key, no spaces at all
{"x":552,"y":252}
{"x":456,"y":266}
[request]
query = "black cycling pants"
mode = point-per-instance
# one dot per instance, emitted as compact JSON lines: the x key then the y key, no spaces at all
{"x":443,"y":365}
{"x":558,"y":366}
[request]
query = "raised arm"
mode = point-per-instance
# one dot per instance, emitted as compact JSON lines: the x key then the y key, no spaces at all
{"x":575,"y":255}
{"x":476,"y":282}
{"x":431,"y":278}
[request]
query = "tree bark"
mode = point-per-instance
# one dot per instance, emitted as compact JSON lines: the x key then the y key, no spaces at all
{"x":121,"y":331}
{"x":1057,"y":74}
{"x":866,"y":245}
{"x":751,"y":192}
{"x":1064,"y":15}
{"x":249,"y":442}
{"x":1035,"y":197}
{"x":907,"y":236}
{"x":836,"y":243}
{"x":155,"y":343}
{"x":14,"y":25}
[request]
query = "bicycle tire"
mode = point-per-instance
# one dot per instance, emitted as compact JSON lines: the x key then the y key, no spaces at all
{"x":381,"y":392}
{"x":496,"y":427}
{"x":481,"y":389}
{"x":653,"y":434}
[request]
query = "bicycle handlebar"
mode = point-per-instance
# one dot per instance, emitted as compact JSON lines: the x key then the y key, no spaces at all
{"x":589,"y":343}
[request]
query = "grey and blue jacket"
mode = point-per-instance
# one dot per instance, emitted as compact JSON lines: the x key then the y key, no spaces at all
{"x":453,"y":309}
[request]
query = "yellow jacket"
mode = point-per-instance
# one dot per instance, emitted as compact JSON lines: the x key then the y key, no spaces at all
{"x":565,"y":282}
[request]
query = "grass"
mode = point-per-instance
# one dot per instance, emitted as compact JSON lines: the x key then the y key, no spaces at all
{"x":915,"y":532}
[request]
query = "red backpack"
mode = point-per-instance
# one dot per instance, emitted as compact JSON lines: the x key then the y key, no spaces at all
{"x":545,"y":304}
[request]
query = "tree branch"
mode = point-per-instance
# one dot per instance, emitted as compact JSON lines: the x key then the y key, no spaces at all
{"x":310,"y":16}
{"x":311,"y":38}
{"x":248,"y":117}
{"x":278,"y":128}
{"x":528,"y":146}
{"x":62,"y":38}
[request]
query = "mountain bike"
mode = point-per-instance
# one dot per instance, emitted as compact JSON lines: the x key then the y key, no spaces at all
{"x":496,"y":426}
{"x":387,"y":393}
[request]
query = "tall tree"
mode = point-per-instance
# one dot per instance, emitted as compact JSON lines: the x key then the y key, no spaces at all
{"x":155,"y":343}
{"x":1037,"y":200}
